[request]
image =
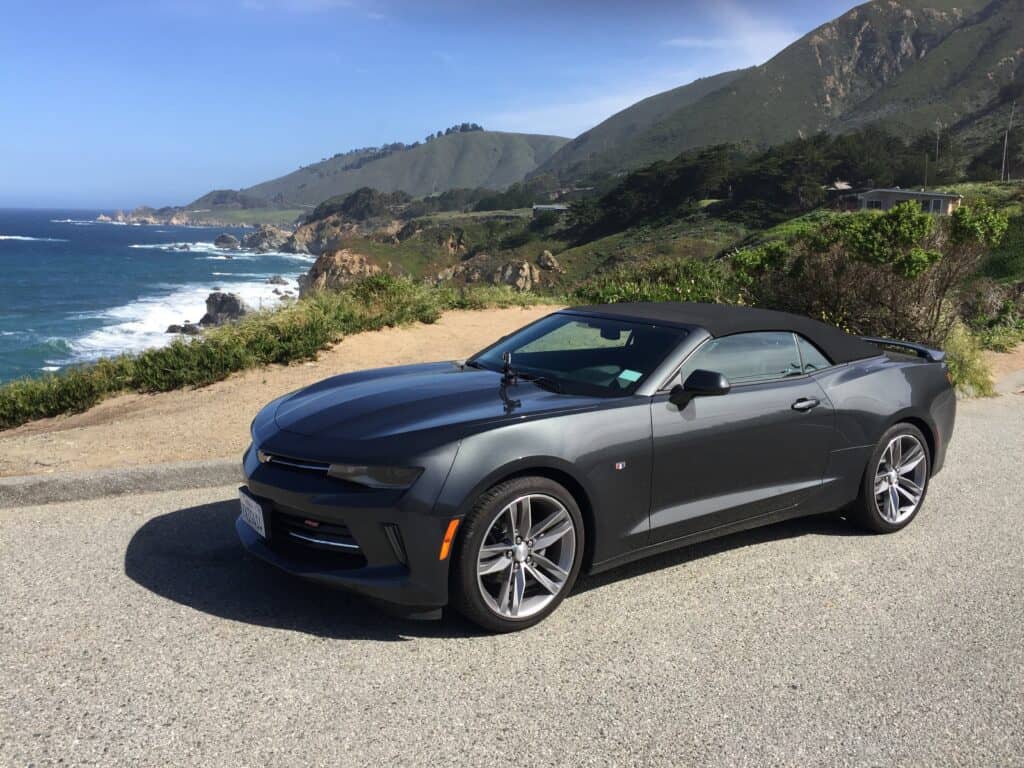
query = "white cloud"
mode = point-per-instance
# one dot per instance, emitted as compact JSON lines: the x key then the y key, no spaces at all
{"x":577,"y":113}
{"x":749,"y":38}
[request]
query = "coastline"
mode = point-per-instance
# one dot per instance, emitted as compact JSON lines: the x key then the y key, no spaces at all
{"x":212,"y":422}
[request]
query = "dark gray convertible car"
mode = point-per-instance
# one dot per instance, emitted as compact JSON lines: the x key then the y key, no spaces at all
{"x":592,"y":437}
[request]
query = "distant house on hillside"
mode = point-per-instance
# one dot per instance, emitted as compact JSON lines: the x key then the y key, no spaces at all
{"x":939,"y":203}
{"x":559,"y":209}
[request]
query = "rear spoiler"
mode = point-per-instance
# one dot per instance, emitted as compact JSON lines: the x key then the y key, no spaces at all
{"x":929,"y":354}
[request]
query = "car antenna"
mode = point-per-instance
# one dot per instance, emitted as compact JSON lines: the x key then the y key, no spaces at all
{"x":507,"y":371}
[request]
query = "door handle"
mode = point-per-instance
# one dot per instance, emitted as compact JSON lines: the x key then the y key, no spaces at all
{"x":806,"y":403}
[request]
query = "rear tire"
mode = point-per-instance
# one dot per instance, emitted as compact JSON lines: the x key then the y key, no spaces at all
{"x":519,"y":554}
{"x":895,"y":481}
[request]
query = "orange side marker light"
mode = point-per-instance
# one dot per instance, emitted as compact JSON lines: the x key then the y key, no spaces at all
{"x":449,"y":537}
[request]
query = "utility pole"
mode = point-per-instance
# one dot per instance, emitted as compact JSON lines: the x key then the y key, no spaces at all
{"x":938,"y":130}
{"x":1004,"y":175}
{"x":925,"y":170}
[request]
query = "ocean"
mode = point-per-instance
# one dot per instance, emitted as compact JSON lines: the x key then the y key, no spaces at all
{"x":73,"y":289}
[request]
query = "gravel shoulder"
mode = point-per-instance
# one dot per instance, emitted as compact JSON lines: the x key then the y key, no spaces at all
{"x":213,"y":422}
{"x":134,"y":631}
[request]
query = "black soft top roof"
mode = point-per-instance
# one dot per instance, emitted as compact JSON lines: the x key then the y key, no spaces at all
{"x":727,"y":319}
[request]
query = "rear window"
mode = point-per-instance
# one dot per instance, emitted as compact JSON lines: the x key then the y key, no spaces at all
{"x":812,"y":358}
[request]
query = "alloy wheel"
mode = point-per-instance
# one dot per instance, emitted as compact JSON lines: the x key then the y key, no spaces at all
{"x":526,"y":556}
{"x":900,"y":479}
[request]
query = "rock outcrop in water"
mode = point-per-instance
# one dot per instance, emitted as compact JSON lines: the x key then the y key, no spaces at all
{"x":223,"y":308}
{"x":226,"y":241}
{"x":265,"y":239}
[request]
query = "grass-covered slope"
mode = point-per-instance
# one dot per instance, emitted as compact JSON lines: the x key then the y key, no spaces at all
{"x":490,"y":159}
{"x":597,"y":150}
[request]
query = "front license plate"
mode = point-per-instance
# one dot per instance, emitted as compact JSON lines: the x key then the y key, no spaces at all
{"x":252,"y":513}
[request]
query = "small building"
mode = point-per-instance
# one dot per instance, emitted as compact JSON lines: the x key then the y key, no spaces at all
{"x":939,"y":203}
{"x":559,"y":209}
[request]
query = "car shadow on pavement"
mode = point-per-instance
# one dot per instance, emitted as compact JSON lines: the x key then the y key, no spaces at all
{"x":193,"y":557}
{"x":821,"y":525}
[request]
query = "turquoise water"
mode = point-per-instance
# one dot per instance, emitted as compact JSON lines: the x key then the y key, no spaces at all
{"x":73,"y":290}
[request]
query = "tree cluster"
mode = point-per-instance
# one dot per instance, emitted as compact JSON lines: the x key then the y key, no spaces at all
{"x":768,"y":186}
{"x":363,"y":204}
{"x":459,"y":128}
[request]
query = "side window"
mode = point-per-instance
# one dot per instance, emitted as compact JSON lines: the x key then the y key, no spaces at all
{"x":748,"y":358}
{"x":811,"y":356}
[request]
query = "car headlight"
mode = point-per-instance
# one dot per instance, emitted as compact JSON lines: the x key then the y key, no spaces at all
{"x":376,"y":477}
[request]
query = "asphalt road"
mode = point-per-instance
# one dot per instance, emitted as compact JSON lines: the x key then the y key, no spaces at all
{"x":134,"y":632}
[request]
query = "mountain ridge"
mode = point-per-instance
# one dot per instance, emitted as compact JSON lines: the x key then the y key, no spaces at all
{"x":905,"y":63}
{"x":491,"y":159}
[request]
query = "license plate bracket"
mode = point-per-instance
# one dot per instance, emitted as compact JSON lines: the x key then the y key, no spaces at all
{"x":253,"y":513}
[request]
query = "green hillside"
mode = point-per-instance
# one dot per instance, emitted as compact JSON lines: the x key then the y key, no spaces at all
{"x":596,"y":149}
{"x":460,"y":160}
{"x":904,"y":63}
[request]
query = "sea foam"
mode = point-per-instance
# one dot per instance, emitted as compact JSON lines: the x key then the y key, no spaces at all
{"x":142,"y":324}
{"x":25,"y":238}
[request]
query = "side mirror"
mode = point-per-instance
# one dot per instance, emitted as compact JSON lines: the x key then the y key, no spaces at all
{"x":699,"y":384}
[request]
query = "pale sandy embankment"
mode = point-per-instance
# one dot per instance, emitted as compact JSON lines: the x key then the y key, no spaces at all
{"x":213,"y":422}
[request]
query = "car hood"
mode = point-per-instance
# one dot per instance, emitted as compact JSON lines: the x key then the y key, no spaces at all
{"x":370,"y":405}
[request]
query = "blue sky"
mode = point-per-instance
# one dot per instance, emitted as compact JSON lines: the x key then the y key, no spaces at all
{"x":123,"y":103}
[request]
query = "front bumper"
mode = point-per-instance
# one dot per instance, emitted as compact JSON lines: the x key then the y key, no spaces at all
{"x":383,"y":545}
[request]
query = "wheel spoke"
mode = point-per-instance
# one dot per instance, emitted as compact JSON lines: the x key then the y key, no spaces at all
{"x":909,"y":496}
{"x":552,"y":536}
{"x":893,"y":504}
{"x":911,"y":460}
{"x":506,"y":589}
{"x":525,"y":518}
{"x":897,"y":452}
{"x":496,"y":565}
{"x":910,"y":485}
{"x":489,"y":550}
{"x":518,"y":589}
{"x":881,"y":486}
{"x":543,"y":580}
{"x":550,"y":567}
{"x":558,"y":517}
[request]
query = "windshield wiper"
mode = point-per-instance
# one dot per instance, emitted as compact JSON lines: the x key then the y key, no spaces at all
{"x":542,"y":381}
{"x":475,"y":364}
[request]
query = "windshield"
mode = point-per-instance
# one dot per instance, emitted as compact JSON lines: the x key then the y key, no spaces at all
{"x":584,"y":355}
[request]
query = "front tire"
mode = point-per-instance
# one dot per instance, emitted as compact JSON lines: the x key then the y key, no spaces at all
{"x":895,"y":481}
{"x":519,"y":556}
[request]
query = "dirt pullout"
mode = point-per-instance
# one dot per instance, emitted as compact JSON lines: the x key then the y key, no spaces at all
{"x":213,"y":422}
{"x":1008,"y":370}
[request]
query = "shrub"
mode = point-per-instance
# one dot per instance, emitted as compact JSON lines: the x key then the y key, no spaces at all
{"x":674,"y":280}
{"x":971,"y":374}
{"x":1002,"y":332}
{"x":899,"y":274}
